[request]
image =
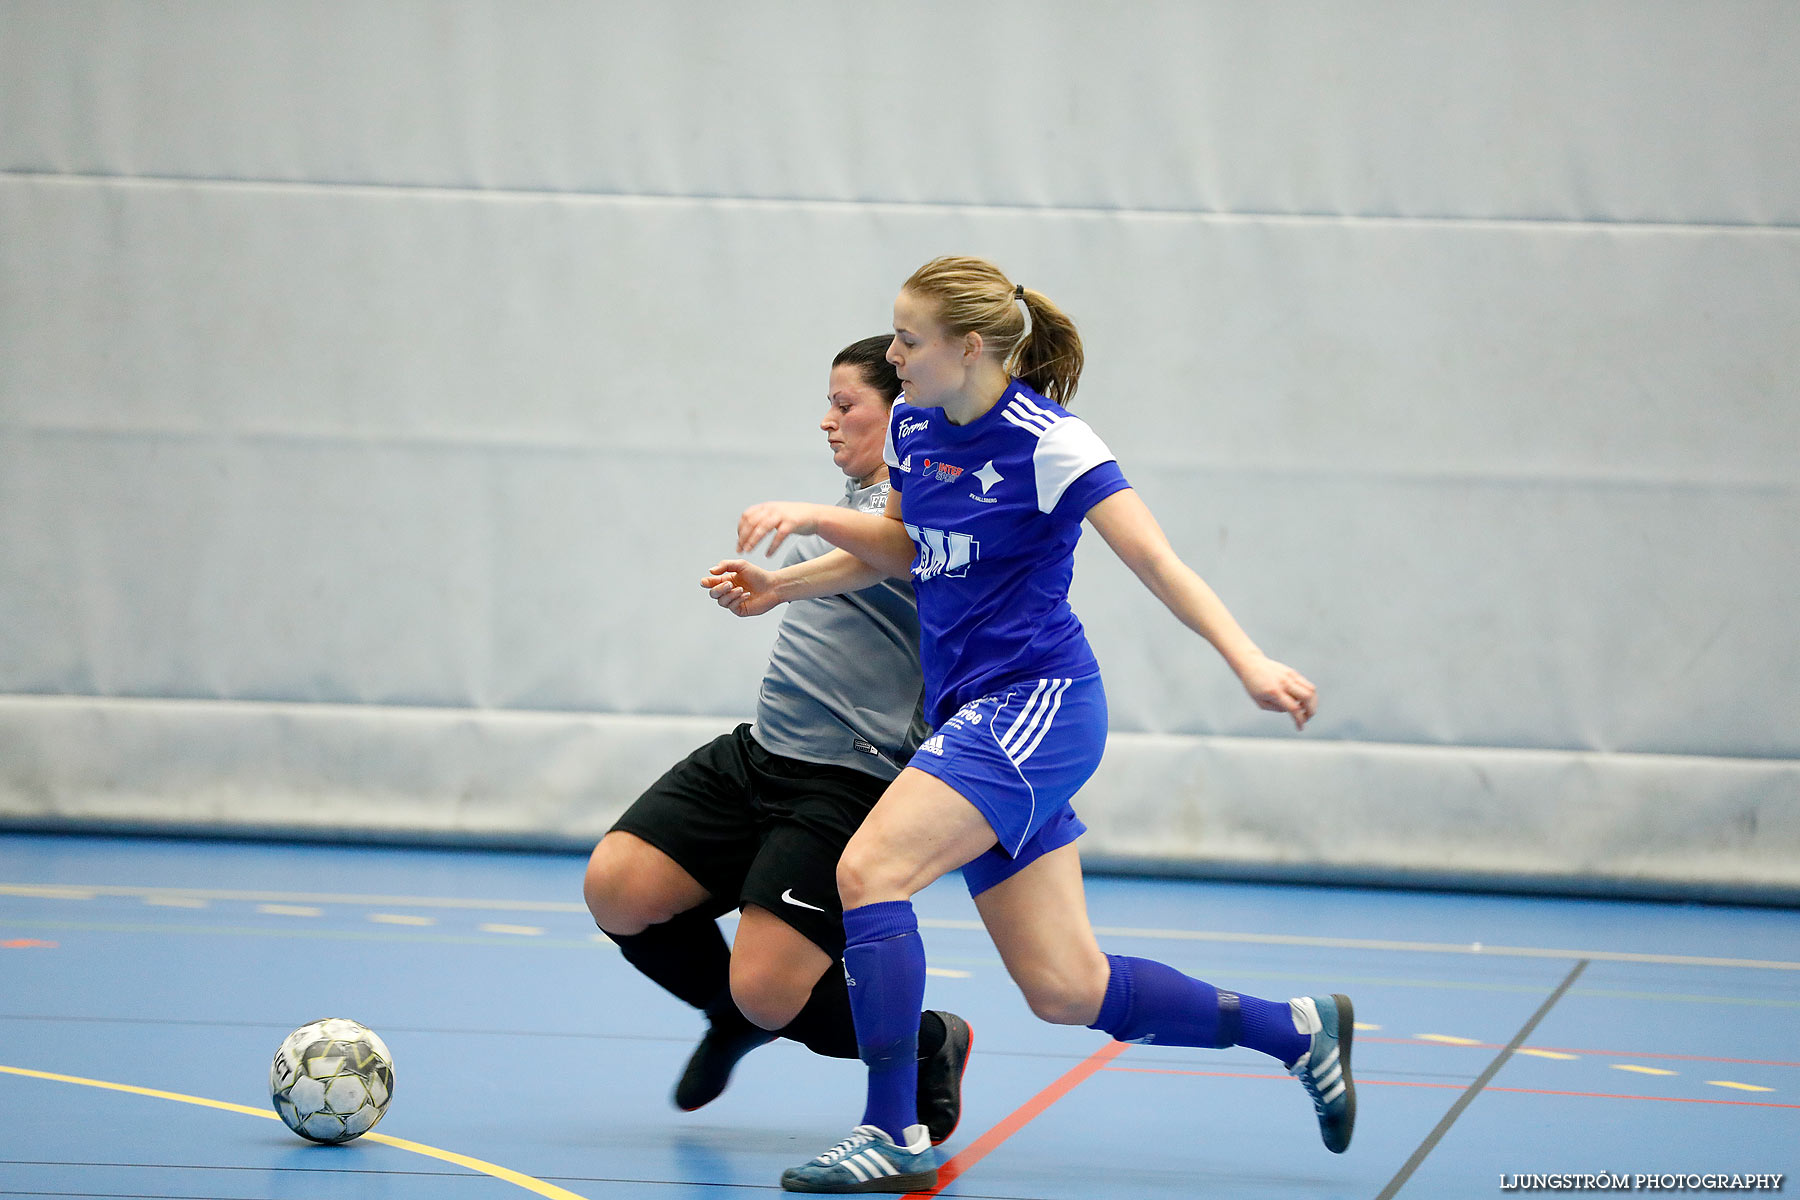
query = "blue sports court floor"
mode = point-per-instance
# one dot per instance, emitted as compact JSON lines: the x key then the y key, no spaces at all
{"x":145,"y":984}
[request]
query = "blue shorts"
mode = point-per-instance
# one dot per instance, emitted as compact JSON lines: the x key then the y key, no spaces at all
{"x":1020,"y":755}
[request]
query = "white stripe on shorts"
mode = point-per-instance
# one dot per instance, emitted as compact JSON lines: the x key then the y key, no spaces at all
{"x":1056,"y":696}
{"x":1017,"y":730}
{"x":1034,"y":720}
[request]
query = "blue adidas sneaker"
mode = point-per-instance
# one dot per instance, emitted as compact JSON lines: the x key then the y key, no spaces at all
{"x":869,"y":1161}
{"x":1324,"y":1070}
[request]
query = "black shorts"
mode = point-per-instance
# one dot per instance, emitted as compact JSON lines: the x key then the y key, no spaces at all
{"x":753,"y":827}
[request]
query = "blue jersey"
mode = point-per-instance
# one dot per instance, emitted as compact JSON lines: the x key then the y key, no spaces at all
{"x":994,"y":509}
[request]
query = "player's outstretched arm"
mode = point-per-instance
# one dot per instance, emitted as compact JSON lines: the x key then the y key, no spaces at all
{"x":1126,"y":523}
{"x":878,"y":539}
{"x":748,"y":590}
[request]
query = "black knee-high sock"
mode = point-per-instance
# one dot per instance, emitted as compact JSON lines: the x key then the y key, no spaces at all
{"x":826,"y":1027}
{"x":688,"y":958}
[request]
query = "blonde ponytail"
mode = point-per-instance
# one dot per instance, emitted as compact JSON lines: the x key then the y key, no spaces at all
{"x":974,"y":296}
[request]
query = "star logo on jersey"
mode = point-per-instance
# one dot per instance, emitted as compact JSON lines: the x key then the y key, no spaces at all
{"x":989,"y":477}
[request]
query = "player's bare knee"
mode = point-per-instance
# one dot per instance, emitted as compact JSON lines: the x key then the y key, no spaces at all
{"x":852,"y":881}
{"x":1064,"y":997}
{"x":617,"y":899}
{"x":864,"y":878}
{"x":770,"y":999}
{"x":1059,"y":1007}
{"x":614,"y":910}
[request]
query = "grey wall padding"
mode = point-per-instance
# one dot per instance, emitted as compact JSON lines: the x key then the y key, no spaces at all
{"x":376,"y":381}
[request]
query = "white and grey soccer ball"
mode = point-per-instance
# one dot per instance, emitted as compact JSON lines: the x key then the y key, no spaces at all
{"x":331,"y":1080}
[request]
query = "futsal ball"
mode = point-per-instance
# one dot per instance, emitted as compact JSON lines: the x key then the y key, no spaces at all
{"x":331,"y":1080}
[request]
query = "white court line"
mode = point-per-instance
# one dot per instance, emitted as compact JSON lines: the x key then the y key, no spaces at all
{"x":77,"y":892}
{"x":1476,"y":949}
{"x":66,"y":892}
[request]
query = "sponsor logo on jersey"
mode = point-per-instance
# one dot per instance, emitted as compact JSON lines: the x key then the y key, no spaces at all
{"x":911,"y":427}
{"x":970,"y":712}
{"x":943,"y":470}
{"x":941,"y":552}
{"x":989,"y":477}
{"x":906,"y":464}
{"x":933,"y":745}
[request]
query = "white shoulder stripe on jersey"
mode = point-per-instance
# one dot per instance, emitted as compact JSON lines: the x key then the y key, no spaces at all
{"x":1029,"y":405}
{"x":1007,"y":415}
{"x":1030,"y":416}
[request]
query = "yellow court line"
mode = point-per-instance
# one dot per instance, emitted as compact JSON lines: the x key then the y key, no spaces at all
{"x":505,"y":1174}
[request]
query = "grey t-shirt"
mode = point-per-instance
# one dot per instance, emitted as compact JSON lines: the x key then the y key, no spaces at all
{"x":844,"y":685}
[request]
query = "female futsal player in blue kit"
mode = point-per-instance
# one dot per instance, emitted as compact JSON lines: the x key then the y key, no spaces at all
{"x":992,"y":478}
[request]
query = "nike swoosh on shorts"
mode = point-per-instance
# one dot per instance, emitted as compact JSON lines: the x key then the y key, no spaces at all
{"x":789,"y":897}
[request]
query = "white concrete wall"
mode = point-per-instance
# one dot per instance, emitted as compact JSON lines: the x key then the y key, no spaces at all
{"x":377,"y":378}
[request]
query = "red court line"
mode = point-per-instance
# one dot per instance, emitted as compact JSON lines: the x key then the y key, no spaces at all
{"x":990,"y":1141}
{"x":1458,"y":1087}
{"x":1753,"y":1062}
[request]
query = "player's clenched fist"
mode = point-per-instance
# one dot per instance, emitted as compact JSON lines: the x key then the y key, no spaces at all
{"x":741,"y":587}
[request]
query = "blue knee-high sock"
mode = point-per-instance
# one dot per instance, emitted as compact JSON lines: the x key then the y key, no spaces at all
{"x":885,"y":962}
{"x":1149,"y":1002}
